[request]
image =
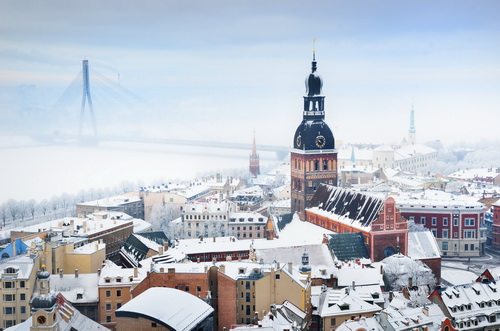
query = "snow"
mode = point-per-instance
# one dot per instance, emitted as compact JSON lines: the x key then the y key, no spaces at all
{"x":111,"y":201}
{"x":177,"y":309}
{"x":457,"y":276}
{"x":422,"y":245}
{"x":70,"y":286}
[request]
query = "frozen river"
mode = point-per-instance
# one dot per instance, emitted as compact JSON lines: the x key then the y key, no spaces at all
{"x":31,"y":170}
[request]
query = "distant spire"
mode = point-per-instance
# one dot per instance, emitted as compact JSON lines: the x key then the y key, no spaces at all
{"x":353,"y":159}
{"x":254,"y":159}
{"x":412,"y":137}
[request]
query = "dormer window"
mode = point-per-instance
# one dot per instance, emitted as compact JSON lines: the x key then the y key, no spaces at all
{"x":107,"y":280}
{"x":118,"y":279}
{"x":79,"y":296}
{"x":241,"y":271}
{"x":10,"y":270}
{"x":344,"y":306}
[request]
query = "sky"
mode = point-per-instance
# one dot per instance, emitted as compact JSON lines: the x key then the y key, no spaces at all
{"x":218,"y":70}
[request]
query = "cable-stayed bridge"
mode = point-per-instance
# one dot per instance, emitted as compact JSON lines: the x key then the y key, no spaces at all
{"x":75,"y":119}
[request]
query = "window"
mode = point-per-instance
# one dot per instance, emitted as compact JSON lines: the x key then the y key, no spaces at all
{"x":333,"y":322}
{"x":118,"y":305}
{"x":277,"y":276}
{"x":445,"y":221}
{"x":455,"y":221}
{"x":422,"y":220}
{"x":108,"y":319}
{"x":9,"y":310}
{"x":445,"y":245}
{"x":247,"y":297}
{"x":8,"y":285}
{"x":434,"y":221}
{"x":466,"y":247}
{"x":469,"y":234}
{"x":107,"y":280}
{"x":23,"y":296}
{"x":412,"y":218}
{"x":445,"y":233}
{"x":247,"y":285}
{"x":154,"y":325}
{"x":455,"y":234}
{"x":248,"y":310}
{"x":23,"y":309}
{"x":434,"y":233}
{"x":118,"y":293}
{"x":9,"y":297}
{"x":186,"y":289}
{"x":108,"y":306}
{"x":108,"y":294}
{"x":198,"y":289}
{"x":325,"y":165}
{"x":22,"y":284}
{"x":469,"y":222}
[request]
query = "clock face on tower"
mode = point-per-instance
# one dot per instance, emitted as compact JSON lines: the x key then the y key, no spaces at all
{"x":298,"y":141}
{"x":320,"y":141}
{"x":41,"y":319}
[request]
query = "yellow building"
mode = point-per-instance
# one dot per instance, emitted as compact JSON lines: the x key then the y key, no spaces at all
{"x":18,"y":276}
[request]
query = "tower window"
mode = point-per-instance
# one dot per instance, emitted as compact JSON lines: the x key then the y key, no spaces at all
{"x":325,"y":165}
{"x":316,"y":165}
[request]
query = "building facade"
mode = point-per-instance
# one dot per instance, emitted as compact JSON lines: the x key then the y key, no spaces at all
{"x":313,"y":157}
{"x":457,"y":225}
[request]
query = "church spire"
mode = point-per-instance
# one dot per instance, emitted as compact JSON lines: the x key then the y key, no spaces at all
{"x":412,"y":132}
{"x":254,"y":159}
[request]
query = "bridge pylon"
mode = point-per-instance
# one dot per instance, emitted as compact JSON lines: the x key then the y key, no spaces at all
{"x":86,"y":97}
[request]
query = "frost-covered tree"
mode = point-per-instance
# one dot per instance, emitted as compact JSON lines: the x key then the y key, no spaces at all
{"x":32,"y":208}
{"x":23,"y":209}
{"x":13,"y":207}
{"x":43,"y":206}
{"x":54,"y":205}
{"x":398,"y":269}
{"x":4,"y":212}
{"x":162,"y":215}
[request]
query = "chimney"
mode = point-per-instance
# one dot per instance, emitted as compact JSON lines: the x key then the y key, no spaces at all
{"x":136,"y":271}
{"x":214,"y":238}
{"x":290,"y":267}
{"x":198,"y":260}
{"x":381,"y":269}
{"x":61,"y":273}
{"x":325,"y":239}
{"x":98,"y":272}
{"x":160,"y":250}
{"x":76,"y":273}
{"x":222,"y":268}
{"x":162,"y":270}
{"x":391,"y":296}
{"x":410,"y":282}
{"x":165,"y":246}
{"x":353,"y":285}
{"x":425,"y":310}
{"x":171,"y":271}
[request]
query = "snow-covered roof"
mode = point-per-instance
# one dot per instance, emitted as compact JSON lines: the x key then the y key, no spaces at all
{"x":81,"y":289}
{"x":113,"y":275}
{"x":249,"y":217}
{"x":455,"y":276}
{"x":471,"y":174}
{"x":353,"y":272}
{"x":422,"y":245}
{"x":210,"y":206}
{"x":408,"y":151}
{"x":174,"y":309}
{"x":23,"y":264}
{"x":435,"y":199}
{"x":112,"y":201}
{"x":345,"y":301}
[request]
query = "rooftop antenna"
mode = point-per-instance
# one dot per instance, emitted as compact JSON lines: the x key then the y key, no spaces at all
{"x":314,"y":49}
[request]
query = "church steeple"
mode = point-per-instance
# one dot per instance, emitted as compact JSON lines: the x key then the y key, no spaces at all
{"x":412,"y":132}
{"x":313,"y":157}
{"x":254,"y":159}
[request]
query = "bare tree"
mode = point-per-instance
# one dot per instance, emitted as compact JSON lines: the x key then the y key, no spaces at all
{"x":162,"y":215}
{"x":43,"y":206}
{"x":64,"y":201}
{"x":4,"y":212}
{"x":13,"y":207}
{"x":31,"y":204}
{"x":23,"y":209}
{"x":54,"y":205}
{"x":398,"y":269}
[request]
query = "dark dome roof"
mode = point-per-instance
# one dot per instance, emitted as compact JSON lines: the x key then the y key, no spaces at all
{"x":43,"y":301}
{"x":43,"y":275}
{"x":314,"y":82}
{"x":309,"y":131}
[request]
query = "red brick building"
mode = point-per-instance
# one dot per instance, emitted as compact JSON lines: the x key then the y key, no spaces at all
{"x":341,"y":210}
{"x":457,"y":224}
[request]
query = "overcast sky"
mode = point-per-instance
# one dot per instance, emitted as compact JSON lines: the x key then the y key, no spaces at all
{"x":219,"y":69}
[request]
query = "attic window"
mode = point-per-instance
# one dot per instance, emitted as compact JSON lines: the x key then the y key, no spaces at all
{"x":344,"y":306}
{"x":107,"y":280}
{"x":118,"y":279}
{"x":79,"y":296}
{"x":375,"y":295}
{"x":131,"y":278}
{"x":10,"y":270}
{"x":241,"y":271}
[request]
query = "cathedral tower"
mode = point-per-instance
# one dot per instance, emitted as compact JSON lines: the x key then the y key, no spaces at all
{"x":254,"y":159}
{"x":412,"y":132}
{"x":313,"y":158}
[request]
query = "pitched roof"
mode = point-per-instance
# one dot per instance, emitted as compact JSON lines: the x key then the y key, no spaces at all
{"x":348,"y":246}
{"x":356,"y":208}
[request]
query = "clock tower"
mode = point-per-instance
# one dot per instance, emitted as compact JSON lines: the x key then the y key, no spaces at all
{"x":313,"y":157}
